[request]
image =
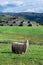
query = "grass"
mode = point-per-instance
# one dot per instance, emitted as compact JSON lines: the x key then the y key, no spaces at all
{"x":16,"y":17}
{"x":33,"y":56}
{"x":33,"y":34}
{"x":22,"y":37}
{"x":21,"y":30}
{"x":4,"y":17}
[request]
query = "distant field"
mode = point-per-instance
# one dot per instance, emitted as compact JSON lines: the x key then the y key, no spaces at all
{"x":34,"y":34}
{"x":21,"y":30}
{"x":33,"y":56}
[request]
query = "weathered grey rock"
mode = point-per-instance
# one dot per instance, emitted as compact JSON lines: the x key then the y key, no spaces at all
{"x":1,"y":24}
{"x":25,"y":23}
{"x":21,"y":23}
{"x":29,"y":24}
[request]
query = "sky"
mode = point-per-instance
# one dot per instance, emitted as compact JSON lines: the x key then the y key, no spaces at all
{"x":21,"y":6}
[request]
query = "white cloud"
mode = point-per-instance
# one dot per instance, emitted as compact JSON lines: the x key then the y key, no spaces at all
{"x":16,"y":2}
{"x":9,"y":10}
{"x":23,"y":5}
{"x":3,"y":2}
{"x":40,"y":9}
{"x":30,"y":10}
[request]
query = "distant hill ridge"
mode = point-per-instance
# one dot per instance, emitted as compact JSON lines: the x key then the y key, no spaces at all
{"x":38,"y":17}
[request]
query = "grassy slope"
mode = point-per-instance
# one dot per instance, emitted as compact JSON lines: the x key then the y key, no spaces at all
{"x":33,"y":56}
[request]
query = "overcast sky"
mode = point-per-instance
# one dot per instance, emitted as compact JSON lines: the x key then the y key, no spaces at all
{"x":21,"y":6}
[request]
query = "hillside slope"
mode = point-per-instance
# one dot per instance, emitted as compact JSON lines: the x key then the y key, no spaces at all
{"x":38,"y":17}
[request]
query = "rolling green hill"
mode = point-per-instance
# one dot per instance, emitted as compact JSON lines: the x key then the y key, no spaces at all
{"x":32,"y":16}
{"x":7,"y":20}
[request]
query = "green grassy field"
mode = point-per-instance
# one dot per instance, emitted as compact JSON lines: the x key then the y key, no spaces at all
{"x":33,"y":56}
{"x":33,"y":38}
{"x":21,"y":30}
{"x":33,"y":34}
